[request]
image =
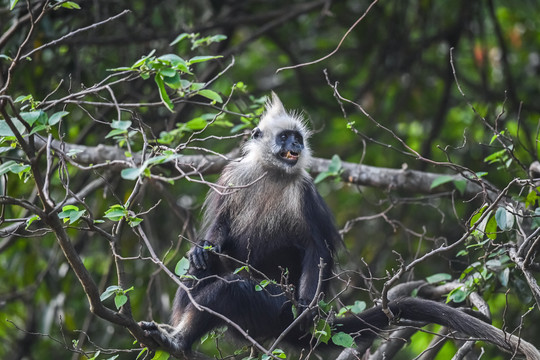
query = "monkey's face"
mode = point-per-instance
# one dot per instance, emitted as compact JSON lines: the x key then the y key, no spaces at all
{"x":277,"y":148}
{"x":290,"y":145}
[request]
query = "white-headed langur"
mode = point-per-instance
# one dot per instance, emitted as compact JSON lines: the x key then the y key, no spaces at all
{"x":274,"y":225}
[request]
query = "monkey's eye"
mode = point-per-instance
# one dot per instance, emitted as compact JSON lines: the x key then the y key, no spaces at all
{"x":283,"y":137}
{"x":256,"y":133}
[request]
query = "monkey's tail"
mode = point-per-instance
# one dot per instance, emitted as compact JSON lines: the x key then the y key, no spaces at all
{"x":374,"y":320}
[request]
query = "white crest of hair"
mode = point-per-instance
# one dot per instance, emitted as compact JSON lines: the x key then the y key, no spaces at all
{"x":274,"y":190}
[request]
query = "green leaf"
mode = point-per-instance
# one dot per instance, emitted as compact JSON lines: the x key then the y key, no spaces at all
{"x":505,"y":219}
{"x":477,"y":215}
{"x":111,"y":290}
{"x":55,"y":118}
{"x":496,"y":156}
{"x":12,"y":4}
{"x":71,"y":5}
{"x":70,"y":208}
{"x":6,"y":167}
{"x":438,"y":278}
{"x":173,"y":81}
{"x":179,"y":38}
{"x":182,"y":267}
{"x":441,"y":180}
{"x":161,"y":355}
{"x":121,"y":124}
{"x":120,"y":300}
{"x":198,"y":59}
{"x":131,"y":173}
{"x":343,"y":339}
{"x":323,"y":331}
{"x":457,"y":295}
{"x":115,"y":214}
{"x":321,"y":177}
{"x":32,"y":117}
{"x":134,"y":221}
{"x":38,"y":129}
{"x":71,"y":213}
{"x":5,"y":130}
{"x":30,"y":220}
{"x":461,"y":185}
{"x":176,"y":62}
{"x":196,"y":124}
{"x":115,"y":132}
{"x":491,"y":228}
{"x":531,"y":199}
{"x":210,"y":94}
{"x":358,"y":307}
{"x":335,"y":165}
{"x":163,"y":93}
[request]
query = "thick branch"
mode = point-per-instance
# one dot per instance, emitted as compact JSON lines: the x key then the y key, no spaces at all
{"x":412,"y":181}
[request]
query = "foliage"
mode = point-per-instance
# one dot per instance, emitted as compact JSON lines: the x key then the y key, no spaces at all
{"x":112,"y":123}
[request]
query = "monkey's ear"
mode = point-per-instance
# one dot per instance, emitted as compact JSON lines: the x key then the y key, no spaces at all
{"x":274,"y":106}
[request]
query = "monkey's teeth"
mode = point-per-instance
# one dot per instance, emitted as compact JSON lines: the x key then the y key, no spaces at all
{"x":291,"y":156}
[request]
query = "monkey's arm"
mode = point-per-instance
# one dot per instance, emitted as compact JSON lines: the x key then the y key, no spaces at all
{"x":324,"y":238}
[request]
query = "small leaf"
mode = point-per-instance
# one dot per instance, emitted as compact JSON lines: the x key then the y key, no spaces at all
{"x":161,"y":355}
{"x":55,"y":118}
{"x":182,"y":267}
{"x":163,"y":93}
{"x":196,"y":124}
{"x":115,"y":132}
{"x":441,"y":180}
{"x":461,"y":186}
{"x":12,"y":4}
{"x":179,"y":38}
{"x":491,"y":228}
{"x":198,"y":59}
{"x":335,"y":165}
{"x":5,"y":130}
{"x":322,"y":176}
{"x":120,"y":300}
{"x":210,"y":94}
{"x":505,"y":219}
{"x":438,"y":278}
{"x":71,"y":5}
{"x":121,"y":124}
{"x":30,"y":220}
{"x":115,"y":214}
{"x":131,"y":173}
{"x":111,"y":290}
{"x":6,"y":167}
{"x":457,"y":295}
{"x":32,"y":117}
{"x":343,"y":339}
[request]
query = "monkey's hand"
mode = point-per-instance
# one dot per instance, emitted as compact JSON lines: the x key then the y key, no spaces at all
{"x":199,"y":255}
{"x":306,"y":322}
{"x":162,"y":335}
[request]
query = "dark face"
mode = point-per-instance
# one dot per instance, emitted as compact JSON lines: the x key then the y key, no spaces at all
{"x":290,"y":144}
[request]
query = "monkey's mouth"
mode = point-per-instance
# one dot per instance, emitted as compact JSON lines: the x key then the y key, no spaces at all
{"x":289,"y":156}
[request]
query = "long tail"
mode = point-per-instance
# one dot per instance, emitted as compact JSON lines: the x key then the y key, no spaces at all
{"x":374,"y":319}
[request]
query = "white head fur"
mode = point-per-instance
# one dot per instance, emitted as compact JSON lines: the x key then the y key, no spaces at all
{"x":263,"y":150}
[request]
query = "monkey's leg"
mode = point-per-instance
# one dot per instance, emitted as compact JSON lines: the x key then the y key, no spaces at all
{"x":260,"y":313}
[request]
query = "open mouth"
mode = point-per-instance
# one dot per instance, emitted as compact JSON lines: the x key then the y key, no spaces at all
{"x":289,"y":155}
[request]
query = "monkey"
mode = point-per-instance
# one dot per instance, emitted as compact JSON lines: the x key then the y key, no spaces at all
{"x":270,"y":223}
